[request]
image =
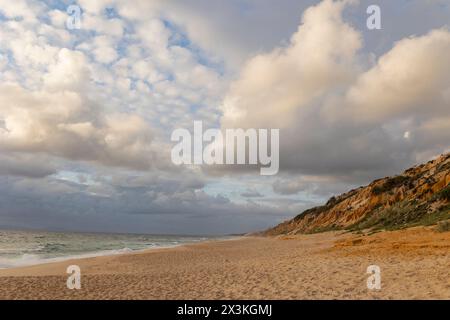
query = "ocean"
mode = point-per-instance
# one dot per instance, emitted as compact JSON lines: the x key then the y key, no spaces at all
{"x":22,"y":248}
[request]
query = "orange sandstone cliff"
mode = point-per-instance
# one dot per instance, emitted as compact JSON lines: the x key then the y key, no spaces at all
{"x":419,"y":196}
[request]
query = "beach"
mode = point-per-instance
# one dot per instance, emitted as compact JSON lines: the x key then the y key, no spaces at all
{"x":414,"y":264}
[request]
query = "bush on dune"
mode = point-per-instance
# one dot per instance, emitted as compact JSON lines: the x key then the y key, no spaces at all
{"x":443,"y":226}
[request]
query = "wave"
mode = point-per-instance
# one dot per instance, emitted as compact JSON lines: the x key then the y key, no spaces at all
{"x":20,"y":248}
{"x":34,"y":259}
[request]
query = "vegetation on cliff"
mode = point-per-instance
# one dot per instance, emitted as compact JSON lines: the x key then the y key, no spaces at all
{"x":419,"y":196}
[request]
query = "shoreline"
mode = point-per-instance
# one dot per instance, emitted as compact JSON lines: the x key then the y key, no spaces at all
{"x":414,"y":265}
{"x":111,"y":253}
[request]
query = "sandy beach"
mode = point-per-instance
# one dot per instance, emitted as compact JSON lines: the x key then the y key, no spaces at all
{"x":414,"y":264}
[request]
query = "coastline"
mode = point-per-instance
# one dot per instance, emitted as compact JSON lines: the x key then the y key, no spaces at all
{"x":109,"y":253}
{"x":414,"y":264}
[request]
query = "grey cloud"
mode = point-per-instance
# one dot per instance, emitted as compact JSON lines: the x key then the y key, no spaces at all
{"x":27,"y":166}
{"x":338,"y":116}
{"x":317,"y":187}
{"x":289,"y":186}
{"x":251,"y":193}
{"x":58,"y":204}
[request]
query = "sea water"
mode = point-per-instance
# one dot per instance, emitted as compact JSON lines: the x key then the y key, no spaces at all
{"x":21,"y":248}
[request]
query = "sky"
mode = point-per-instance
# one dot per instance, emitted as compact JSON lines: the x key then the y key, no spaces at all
{"x":86,"y":114}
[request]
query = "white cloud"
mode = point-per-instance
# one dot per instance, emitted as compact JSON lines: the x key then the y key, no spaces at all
{"x":95,"y":6}
{"x":274,"y":87}
{"x":27,"y":10}
{"x":70,"y":72}
{"x":60,"y":119}
{"x":58,"y":18}
{"x":336,"y":117}
{"x":104,"y":50}
{"x":113,"y":27}
{"x":409,"y":80}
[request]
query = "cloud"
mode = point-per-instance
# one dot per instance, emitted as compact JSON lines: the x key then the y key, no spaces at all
{"x":251,"y":193}
{"x":338,"y":116}
{"x":80,"y":97}
{"x":274,"y":87}
{"x":113,"y":27}
{"x":104,"y":50}
{"x":313,"y":187}
{"x":69,"y":72}
{"x":289,"y":186}
{"x":26,"y":166}
{"x":127,"y":203}
{"x":86,"y":115}
{"x":27,"y":10}
{"x":410,"y":80}
{"x":95,"y":7}
{"x":60,"y":119}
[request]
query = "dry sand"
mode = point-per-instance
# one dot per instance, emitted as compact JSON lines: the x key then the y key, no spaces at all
{"x":415,"y":264}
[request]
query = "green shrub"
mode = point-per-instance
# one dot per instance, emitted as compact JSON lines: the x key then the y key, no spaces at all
{"x":401,"y":215}
{"x":390,"y":184}
{"x":443,"y":226}
{"x":311,"y":212}
{"x":445,"y":193}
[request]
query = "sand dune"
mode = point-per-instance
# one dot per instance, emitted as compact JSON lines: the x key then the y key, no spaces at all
{"x":414,"y":265}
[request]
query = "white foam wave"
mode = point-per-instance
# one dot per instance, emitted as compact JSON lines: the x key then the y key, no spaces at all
{"x":33,"y":259}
